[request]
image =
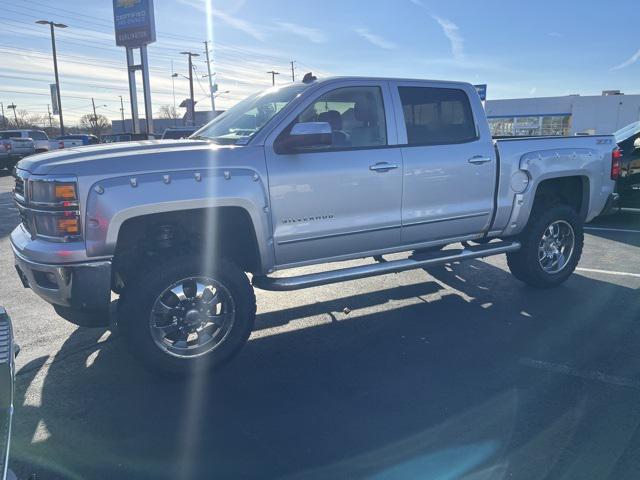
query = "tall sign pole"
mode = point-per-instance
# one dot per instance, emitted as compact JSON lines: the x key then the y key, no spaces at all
{"x":212,"y":90}
{"x":135,"y":28}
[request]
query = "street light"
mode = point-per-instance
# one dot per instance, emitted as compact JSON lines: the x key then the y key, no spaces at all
{"x":53,"y":25}
{"x":193,"y":108}
{"x":222,"y":93}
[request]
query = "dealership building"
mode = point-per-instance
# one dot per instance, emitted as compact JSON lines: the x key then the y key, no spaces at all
{"x":569,"y":115}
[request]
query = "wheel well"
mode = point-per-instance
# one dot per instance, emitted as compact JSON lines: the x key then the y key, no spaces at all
{"x":572,"y":191}
{"x":150,"y":238}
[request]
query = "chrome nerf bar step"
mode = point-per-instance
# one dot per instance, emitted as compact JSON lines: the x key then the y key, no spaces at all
{"x":414,"y":262}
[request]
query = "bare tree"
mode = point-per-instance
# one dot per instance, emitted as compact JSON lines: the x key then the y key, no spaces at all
{"x":168,"y":111}
{"x":97,"y":124}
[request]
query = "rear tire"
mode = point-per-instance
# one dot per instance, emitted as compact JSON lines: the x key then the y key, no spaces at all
{"x":552,"y":245}
{"x":208,"y":321}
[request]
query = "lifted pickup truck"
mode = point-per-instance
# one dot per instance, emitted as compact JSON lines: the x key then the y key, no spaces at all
{"x":310,"y":173}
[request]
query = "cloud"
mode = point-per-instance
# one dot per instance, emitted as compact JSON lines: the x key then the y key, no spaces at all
{"x":452,"y":32}
{"x":312,"y":34}
{"x":374,"y":39}
{"x":555,"y":34}
{"x":244,"y":26}
{"x":417,"y":2}
{"x":633,"y":59}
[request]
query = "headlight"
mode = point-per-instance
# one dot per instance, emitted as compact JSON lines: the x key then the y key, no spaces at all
{"x":57,"y":224}
{"x":52,"y":208}
{"x":54,"y":193}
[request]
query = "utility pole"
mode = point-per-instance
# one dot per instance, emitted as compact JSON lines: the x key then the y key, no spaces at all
{"x":4,"y":119}
{"x":193,"y":106}
{"x":211,"y":82}
{"x":173,"y":91}
{"x":55,"y":65}
{"x":13,"y":107}
{"x":50,"y":122}
{"x":124,"y":130}
{"x":293,"y":70}
{"x":273,"y":77}
{"x":95,"y":115}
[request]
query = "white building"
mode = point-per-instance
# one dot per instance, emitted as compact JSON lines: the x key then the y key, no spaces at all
{"x":596,"y":115}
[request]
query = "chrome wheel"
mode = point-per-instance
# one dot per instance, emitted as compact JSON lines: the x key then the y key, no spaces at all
{"x":192,"y":317}
{"x":556,"y":246}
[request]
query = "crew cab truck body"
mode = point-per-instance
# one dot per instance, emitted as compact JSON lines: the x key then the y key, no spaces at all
{"x":40,"y":139}
{"x":311,"y":173}
{"x":13,"y":149}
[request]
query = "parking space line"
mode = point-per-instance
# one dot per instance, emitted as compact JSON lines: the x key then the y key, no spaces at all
{"x":584,"y":374}
{"x":603,"y":229}
{"x":608,"y":272}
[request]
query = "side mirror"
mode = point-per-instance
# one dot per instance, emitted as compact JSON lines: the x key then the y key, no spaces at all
{"x":636,"y":144}
{"x":307,"y":135}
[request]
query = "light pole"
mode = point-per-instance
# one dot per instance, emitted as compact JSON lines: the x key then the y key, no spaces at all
{"x":124,"y":130}
{"x":192,"y":104}
{"x":52,"y":25}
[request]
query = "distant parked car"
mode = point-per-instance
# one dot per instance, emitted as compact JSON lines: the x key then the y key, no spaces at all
{"x":12,"y":149}
{"x":39,"y":137}
{"x":77,"y":140}
{"x":177,"y":133}
{"x":628,"y":185}
{"x":127,"y":137}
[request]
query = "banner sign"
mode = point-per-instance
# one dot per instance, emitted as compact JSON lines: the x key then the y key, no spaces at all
{"x":54,"y":99}
{"x":134,"y":22}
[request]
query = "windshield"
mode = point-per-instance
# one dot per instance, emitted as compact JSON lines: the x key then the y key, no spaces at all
{"x":238,"y":124}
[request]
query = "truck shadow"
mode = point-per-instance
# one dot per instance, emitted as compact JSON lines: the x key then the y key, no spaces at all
{"x":434,"y":389}
{"x":624,"y":220}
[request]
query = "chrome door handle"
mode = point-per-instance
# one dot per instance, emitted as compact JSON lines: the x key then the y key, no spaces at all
{"x":382,"y":167}
{"x":479,"y":159}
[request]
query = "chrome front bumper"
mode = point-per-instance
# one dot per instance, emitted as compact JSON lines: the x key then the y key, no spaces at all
{"x":84,"y":285}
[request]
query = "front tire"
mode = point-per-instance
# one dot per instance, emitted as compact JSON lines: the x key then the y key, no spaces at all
{"x":183,"y":315}
{"x":551,"y":247}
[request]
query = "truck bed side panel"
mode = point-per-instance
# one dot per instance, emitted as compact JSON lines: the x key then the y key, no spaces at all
{"x":538,"y":159}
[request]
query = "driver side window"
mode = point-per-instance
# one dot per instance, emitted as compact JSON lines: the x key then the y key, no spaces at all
{"x":355,"y":114}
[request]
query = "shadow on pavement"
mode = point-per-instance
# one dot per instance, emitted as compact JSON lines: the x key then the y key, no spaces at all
{"x":624,"y":220}
{"x":435,"y":389}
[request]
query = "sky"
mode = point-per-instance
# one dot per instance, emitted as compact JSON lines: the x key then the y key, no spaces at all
{"x":520,"y":49}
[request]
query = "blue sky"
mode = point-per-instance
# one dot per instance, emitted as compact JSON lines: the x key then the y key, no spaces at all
{"x":520,"y":49}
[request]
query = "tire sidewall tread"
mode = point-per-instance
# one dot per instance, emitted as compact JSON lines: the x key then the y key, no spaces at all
{"x":136,"y":302}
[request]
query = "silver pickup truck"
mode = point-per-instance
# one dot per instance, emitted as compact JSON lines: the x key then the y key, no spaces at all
{"x":311,"y":173}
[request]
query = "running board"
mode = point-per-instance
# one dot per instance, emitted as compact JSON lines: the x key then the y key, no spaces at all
{"x":370,"y":270}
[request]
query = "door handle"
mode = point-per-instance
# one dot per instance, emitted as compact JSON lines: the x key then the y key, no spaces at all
{"x":479,"y":159}
{"x":382,"y":167}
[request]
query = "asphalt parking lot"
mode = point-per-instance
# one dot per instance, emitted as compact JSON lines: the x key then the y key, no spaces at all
{"x":461,"y":372}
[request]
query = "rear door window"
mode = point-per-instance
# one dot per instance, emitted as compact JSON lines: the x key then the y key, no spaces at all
{"x":436,"y":116}
{"x":35,"y":135}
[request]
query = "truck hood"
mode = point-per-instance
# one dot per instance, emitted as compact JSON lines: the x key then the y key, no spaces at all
{"x":132,"y":158}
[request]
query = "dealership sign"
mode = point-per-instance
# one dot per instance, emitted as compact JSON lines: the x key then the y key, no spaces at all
{"x":134,"y":22}
{"x":482,"y":91}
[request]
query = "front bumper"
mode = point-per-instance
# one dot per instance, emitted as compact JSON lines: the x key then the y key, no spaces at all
{"x":78,"y":286}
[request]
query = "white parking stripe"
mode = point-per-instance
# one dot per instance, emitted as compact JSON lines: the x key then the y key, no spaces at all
{"x":609,"y":272}
{"x":602,"y":229}
{"x":584,"y":374}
